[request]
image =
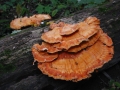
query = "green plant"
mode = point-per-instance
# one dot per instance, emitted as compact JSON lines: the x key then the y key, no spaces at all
{"x":6,"y":67}
{"x":6,"y":52}
{"x":91,"y":3}
{"x":114,"y":85}
{"x":4,"y":27}
{"x":11,"y":9}
{"x":20,"y":10}
{"x":56,"y":8}
{"x":64,"y":7}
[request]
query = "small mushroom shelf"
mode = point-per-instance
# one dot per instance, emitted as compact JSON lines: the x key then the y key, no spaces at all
{"x":73,"y":51}
{"x":34,"y":20}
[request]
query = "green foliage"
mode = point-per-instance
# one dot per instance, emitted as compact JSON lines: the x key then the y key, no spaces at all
{"x":6,"y":67}
{"x":56,"y":8}
{"x":40,"y":8}
{"x":11,"y":9}
{"x":20,"y":10}
{"x":64,"y":7}
{"x":91,"y":3}
{"x":6,"y":53}
{"x":113,"y":85}
{"x":104,"y":9}
{"x":54,"y":12}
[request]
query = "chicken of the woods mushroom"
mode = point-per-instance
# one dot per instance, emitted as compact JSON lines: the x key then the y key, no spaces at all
{"x":34,"y":20}
{"x":73,"y":51}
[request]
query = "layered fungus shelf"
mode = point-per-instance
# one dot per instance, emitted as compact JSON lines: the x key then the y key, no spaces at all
{"x":73,"y":51}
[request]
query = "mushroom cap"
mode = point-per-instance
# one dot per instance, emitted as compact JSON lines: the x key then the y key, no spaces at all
{"x":42,"y":56}
{"x":55,"y":35}
{"x":16,"y":23}
{"x":48,"y":47}
{"x":70,"y":35}
{"x":60,"y":24}
{"x":76,"y":38}
{"x":69,"y":29}
{"x":42,"y":16}
{"x":78,"y":66}
{"x":52,"y":36}
{"x":86,"y":44}
{"x":26,"y":21}
{"x":52,"y":48}
{"x":35,"y":20}
{"x":87,"y":30}
{"x":92,"y":20}
{"x":106,"y":39}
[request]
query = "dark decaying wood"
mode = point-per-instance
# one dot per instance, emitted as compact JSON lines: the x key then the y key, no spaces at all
{"x":17,"y":71}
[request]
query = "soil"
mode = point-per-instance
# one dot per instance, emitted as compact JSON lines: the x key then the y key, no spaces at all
{"x":17,"y":71}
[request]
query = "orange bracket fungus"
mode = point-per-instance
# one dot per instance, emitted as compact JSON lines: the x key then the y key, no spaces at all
{"x":73,"y":51}
{"x":34,"y":20}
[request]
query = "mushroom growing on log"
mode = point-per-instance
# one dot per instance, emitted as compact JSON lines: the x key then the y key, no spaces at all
{"x":34,"y":20}
{"x":73,"y":52}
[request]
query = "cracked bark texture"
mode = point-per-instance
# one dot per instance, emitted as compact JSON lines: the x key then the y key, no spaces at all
{"x":17,"y":71}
